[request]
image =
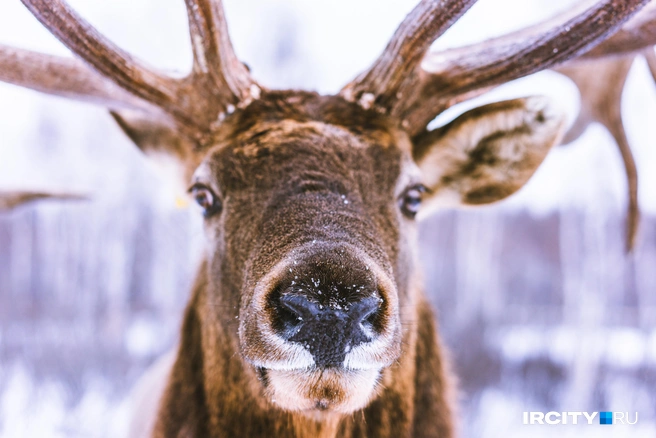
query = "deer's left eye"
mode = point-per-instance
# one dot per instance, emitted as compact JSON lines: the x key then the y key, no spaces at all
{"x":411,"y":200}
{"x":205,"y":197}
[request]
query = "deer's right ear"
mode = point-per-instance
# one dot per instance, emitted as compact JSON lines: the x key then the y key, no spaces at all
{"x":153,"y":135}
{"x":488,"y":153}
{"x":159,"y":140}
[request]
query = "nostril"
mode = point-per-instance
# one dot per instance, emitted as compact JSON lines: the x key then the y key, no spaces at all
{"x":288,"y":318}
{"x":291,"y":312}
{"x":299,"y":305}
{"x":366,"y":311}
{"x":371,"y":318}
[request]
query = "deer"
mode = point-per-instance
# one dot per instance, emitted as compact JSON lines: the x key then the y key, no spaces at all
{"x":307,"y":316}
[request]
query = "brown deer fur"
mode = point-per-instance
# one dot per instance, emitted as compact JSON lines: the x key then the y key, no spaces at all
{"x":282,"y":171}
{"x":285,"y":167}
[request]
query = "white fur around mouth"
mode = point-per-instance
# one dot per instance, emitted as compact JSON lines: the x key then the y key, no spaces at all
{"x":330,"y":390}
{"x":298,"y":358}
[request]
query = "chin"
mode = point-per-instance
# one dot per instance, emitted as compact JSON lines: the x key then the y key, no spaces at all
{"x":322,"y":392}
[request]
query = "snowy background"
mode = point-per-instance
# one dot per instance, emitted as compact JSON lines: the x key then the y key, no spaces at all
{"x":546,"y":311}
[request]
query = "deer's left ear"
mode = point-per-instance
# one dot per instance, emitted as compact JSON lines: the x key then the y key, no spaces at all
{"x":488,"y":153}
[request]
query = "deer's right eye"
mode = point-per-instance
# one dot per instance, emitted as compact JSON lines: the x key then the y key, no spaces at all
{"x":205,"y":197}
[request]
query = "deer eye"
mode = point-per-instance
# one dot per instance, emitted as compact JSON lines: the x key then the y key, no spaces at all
{"x":205,"y":197}
{"x":411,"y":200}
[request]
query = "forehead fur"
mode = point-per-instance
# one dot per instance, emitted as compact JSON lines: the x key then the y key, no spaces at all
{"x":301,"y":135}
{"x":284,"y":111}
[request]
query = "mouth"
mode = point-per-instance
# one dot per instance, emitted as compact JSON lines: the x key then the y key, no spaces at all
{"x":319,"y":391}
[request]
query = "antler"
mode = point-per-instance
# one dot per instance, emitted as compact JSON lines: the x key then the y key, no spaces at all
{"x":393,"y":72}
{"x":601,"y":82}
{"x":600,"y":75}
{"x":108,"y":59}
{"x":217,"y":83}
{"x":444,"y":78}
{"x":13,"y":199}
{"x":65,"y":77}
{"x":639,"y":32}
{"x":213,"y":53}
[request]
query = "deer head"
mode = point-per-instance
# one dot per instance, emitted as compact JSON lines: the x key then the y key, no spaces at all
{"x":311,"y":202}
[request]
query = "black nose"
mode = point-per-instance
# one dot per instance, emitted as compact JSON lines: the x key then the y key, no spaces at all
{"x":329,"y":303}
{"x":329,"y":330}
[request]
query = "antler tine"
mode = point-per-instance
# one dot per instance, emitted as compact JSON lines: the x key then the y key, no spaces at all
{"x":108,"y":59}
{"x":601,"y":83}
{"x":65,"y":77}
{"x":454,"y":75}
{"x":616,"y":127}
{"x":639,"y":32}
{"x":13,"y":199}
{"x":214,"y":54}
{"x":385,"y":82}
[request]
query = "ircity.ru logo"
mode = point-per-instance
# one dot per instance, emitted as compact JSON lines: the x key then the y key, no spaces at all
{"x":606,"y":417}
